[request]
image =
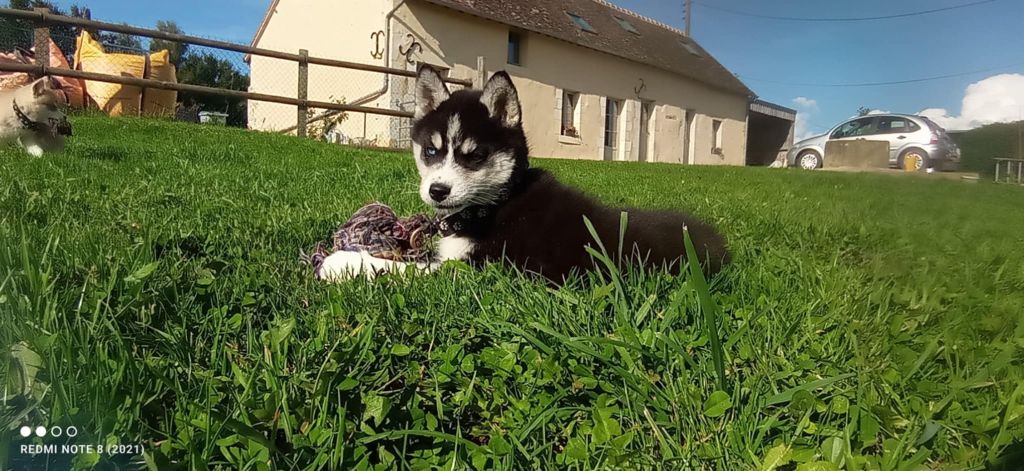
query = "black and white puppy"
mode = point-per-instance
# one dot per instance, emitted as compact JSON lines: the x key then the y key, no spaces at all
{"x":471,"y":153}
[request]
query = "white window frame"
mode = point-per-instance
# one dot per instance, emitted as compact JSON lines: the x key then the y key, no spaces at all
{"x":717,"y":126}
{"x":651,"y":126}
{"x":561,"y":101}
{"x":617,"y":119}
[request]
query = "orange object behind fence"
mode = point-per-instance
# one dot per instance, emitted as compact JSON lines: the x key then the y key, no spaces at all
{"x":73,"y":88}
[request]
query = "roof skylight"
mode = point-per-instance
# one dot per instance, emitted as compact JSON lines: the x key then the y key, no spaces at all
{"x":626,"y":25}
{"x":581,"y":23}
{"x":690,"y":47}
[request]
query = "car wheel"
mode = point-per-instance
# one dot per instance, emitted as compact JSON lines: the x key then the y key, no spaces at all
{"x":809,"y":160}
{"x":913,"y":160}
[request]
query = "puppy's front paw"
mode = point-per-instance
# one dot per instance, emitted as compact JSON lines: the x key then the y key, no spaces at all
{"x":344,"y":266}
{"x":34,"y":150}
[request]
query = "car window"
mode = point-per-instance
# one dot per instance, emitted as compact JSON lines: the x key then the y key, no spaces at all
{"x":855,"y":128}
{"x":844,"y":130}
{"x":933,"y":127}
{"x":867,"y":127}
{"x":896,"y":125}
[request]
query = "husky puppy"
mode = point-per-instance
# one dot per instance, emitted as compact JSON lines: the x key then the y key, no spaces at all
{"x":471,"y":153}
{"x":33,"y":116}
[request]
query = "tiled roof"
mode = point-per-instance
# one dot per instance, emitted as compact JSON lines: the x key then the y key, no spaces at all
{"x":653,"y":43}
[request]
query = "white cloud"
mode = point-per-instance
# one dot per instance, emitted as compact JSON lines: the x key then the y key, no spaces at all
{"x":869,"y":113}
{"x":997,"y":99}
{"x":805,"y":108}
{"x":805,"y":103}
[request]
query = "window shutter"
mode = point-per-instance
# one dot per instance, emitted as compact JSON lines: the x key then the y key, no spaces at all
{"x":559,"y":99}
{"x":628,"y":115}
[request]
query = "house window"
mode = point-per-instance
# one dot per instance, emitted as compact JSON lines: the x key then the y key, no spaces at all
{"x":570,"y":114}
{"x":611,"y":123}
{"x":515,"y":48}
{"x":716,"y":132}
{"x":626,"y":25}
{"x":582,"y":23}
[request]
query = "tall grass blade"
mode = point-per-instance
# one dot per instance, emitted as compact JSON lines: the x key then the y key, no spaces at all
{"x":708,"y":308}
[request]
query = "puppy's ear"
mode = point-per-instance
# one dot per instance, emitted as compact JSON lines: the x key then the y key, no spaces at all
{"x":430,"y":91}
{"x":502,"y":100}
{"x":39,"y":87}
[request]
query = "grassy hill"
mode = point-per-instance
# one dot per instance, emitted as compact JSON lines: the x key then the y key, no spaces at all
{"x":150,"y":293}
{"x":980,"y":146}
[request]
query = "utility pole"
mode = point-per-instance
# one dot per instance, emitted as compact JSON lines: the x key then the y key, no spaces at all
{"x":689,"y":13}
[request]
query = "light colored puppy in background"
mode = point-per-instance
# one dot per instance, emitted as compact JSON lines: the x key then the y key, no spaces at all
{"x":34,"y":117}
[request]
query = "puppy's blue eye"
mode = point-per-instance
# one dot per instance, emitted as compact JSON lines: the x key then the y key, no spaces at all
{"x":430,"y":151}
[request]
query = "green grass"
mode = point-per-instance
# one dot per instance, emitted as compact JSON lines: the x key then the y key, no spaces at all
{"x":980,"y":146}
{"x":150,"y":292}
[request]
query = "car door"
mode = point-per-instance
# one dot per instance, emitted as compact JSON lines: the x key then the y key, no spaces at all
{"x":896,"y":130}
{"x":862,"y":128}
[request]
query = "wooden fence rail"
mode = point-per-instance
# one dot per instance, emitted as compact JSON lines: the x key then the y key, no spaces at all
{"x":42,"y":19}
{"x":41,"y":70}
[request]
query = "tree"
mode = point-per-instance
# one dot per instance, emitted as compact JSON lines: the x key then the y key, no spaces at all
{"x":178,"y":50}
{"x":121,"y":42}
{"x":19,"y":33}
{"x":207,"y":70}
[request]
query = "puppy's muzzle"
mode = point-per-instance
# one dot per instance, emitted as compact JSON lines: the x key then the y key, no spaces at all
{"x":439,"y":192}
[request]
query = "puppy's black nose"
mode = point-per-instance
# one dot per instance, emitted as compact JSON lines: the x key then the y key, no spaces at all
{"x":439,"y":192}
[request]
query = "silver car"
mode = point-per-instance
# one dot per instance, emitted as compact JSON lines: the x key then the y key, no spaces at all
{"x":914,"y":141}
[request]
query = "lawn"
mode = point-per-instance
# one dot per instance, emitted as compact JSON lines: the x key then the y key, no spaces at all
{"x":151,"y":293}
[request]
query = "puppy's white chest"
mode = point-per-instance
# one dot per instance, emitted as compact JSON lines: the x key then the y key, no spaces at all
{"x":455,"y":248}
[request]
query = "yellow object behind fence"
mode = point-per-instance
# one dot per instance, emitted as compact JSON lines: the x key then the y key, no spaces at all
{"x":117,"y":99}
{"x":156,"y":101}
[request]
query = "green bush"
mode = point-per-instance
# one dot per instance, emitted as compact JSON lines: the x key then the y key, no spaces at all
{"x":980,"y":146}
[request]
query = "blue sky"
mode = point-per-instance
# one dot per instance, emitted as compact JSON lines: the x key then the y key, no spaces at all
{"x":763,"y":51}
{"x":973,"y":38}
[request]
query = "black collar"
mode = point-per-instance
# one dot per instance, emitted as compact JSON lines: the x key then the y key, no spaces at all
{"x":467,"y":220}
{"x":25,"y":121}
{"x":55,"y":127}
{"x":472,"y":219}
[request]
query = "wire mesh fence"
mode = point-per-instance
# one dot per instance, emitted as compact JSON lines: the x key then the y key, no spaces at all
{"x":138,"y":72}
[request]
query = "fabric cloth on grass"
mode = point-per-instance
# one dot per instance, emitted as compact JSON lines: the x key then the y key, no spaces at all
{"x":376,"y":229}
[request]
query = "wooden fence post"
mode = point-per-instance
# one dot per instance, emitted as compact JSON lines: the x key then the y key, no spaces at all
{"x":303,"y":93}
{"x":481,"y":72}
{"x":41,"y":40}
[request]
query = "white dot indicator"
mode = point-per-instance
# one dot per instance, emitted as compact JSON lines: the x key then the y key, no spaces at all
{"x":26,"y":431}
{"x":40,"y":431}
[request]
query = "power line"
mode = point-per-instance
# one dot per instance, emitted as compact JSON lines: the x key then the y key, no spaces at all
{"x":834,"y":20}
{"x":879,"y":84}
